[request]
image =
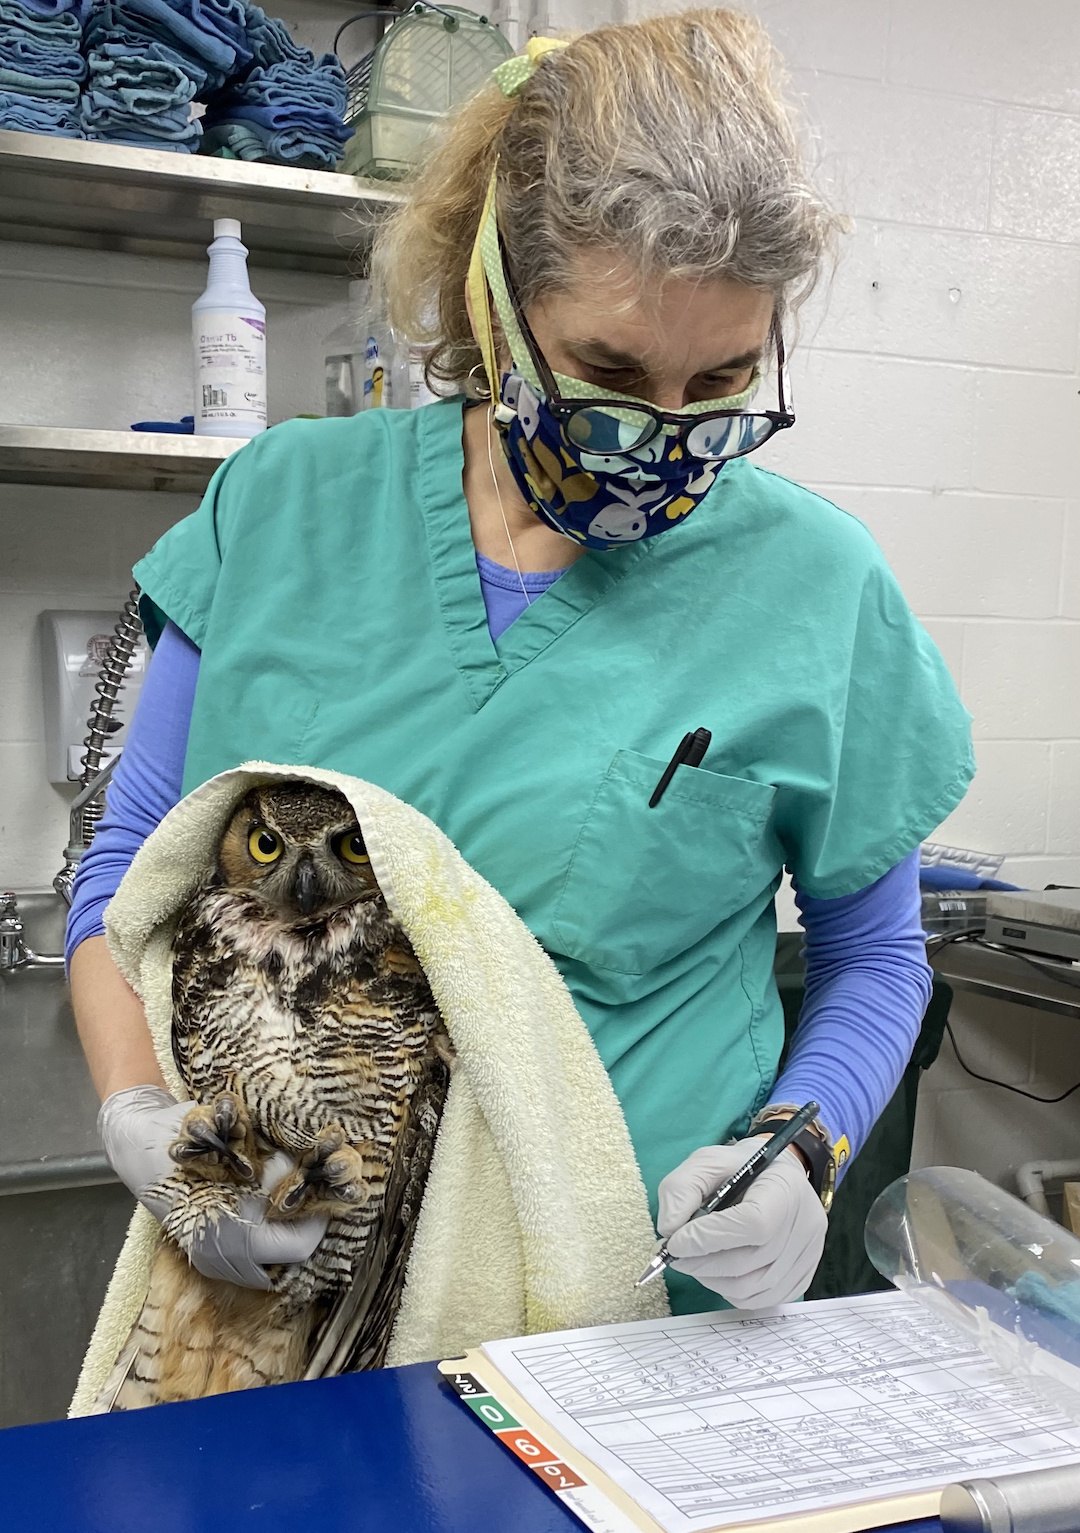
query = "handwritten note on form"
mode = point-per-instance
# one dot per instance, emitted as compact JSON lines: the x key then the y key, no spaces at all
{"x":708,"y":1420}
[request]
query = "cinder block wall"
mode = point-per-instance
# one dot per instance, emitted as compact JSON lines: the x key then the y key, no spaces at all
{"x":940,"y":402}
{"x":937,"y":389}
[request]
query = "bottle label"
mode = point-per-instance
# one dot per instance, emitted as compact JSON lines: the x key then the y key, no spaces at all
{"x":230,"y":368}
{"x":377,"y":383}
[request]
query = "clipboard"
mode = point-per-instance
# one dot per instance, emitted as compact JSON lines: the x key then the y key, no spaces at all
{"x":595,"y":1499}
{"x":836,"y":1416}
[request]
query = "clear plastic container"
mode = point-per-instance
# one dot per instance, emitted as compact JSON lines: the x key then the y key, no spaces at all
{"x":364,"y":366}
{"x":427,"y":63}
{"x":343,"y":357}
{"x":1005,"y":1273}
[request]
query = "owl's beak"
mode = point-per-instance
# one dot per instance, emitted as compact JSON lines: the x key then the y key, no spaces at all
{"x":305,"y":889}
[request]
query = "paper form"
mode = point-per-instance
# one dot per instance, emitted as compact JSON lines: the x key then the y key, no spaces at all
{"x":721,"y":1418}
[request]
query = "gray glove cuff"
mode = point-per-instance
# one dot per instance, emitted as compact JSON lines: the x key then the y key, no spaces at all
{"x":149,"y":1097}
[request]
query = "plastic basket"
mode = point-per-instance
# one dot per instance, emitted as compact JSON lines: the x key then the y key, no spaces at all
{"x":428,"y":62}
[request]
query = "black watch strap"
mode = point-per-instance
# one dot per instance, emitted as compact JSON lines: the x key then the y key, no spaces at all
{"x":819,"y":1156}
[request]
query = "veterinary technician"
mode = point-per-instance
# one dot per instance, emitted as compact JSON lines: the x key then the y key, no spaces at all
{"x":510,"y":606}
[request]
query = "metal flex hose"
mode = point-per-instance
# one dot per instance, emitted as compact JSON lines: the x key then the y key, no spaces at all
{"x":110,"y":684}
{"x":89,"y":803}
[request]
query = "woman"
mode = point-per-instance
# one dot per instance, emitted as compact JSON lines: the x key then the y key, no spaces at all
{"x":508,"y":608}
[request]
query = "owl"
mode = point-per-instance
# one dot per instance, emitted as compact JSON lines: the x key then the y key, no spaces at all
{"x":303,"y":1022}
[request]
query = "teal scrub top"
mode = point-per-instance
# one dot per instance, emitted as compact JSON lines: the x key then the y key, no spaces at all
{"x":329,"y":578}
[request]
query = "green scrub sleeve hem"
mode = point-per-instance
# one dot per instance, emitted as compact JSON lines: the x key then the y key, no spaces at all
{"x":914,"y":832}
{"x":158,"y":606}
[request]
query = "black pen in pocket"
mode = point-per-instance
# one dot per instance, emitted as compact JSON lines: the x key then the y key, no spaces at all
{"x":690,"y":752}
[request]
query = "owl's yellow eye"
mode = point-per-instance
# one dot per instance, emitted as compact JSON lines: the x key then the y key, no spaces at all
{"x":351,"y":848}
{"x":264,"y":845}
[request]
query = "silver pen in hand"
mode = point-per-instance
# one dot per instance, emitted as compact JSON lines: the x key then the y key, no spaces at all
{"x":729,"y":1192}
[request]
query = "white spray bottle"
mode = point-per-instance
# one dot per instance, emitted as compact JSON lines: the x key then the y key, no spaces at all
{"x":228,"y":326}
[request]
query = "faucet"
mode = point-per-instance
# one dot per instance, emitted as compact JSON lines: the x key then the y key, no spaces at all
{"x":14,"y":953}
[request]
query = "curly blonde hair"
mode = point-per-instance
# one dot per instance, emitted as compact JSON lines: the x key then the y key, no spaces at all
{"x":664,"y":140}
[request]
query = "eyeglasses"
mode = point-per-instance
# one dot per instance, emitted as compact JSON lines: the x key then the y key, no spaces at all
{"x":613,"y":426}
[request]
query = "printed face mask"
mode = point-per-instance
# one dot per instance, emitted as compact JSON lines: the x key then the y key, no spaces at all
{"x":619,"y":492}
{"x":598,"y":499}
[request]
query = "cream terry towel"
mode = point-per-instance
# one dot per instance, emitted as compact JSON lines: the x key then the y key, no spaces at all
{"x":535,"y":1217}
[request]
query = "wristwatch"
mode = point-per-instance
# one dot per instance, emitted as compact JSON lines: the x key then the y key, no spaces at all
{"x":823,"y":1158}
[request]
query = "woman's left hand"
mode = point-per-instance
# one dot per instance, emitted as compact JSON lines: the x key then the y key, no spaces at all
{"x":763,"y":1251}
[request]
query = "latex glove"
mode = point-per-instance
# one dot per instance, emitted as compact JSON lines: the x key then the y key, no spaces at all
{"x":137,"y":1126}
{"x":763,"y":1251}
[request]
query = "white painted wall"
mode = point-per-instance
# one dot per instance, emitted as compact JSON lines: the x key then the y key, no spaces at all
{"x":937,"y":389}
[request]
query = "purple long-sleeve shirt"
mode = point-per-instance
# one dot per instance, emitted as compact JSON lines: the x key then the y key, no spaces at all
{"x":867,"y":978}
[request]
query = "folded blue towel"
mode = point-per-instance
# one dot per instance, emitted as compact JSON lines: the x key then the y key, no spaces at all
{"x":133,"y":50}
{"x":270,"y":41}
{"x":301,"y":147}
{"x":143,"y":85}
{"x":41,"y":47}
{"x":296,"y":106}
{"x":36,"y":114}
{"x":286,"y":116}
{"x":18,"y":54}
{"x":63,"y":31}
{"x":26,"y":56}
{"x":173,"y":25}
{"x":80,"y":9}
{"x":132,"y":99}
{"x":43,"y":89}
{"x":247,"y":141}
{"x":139,"y":140}
{"x":234,"y":140}
{"x":321,"y":82}
{"x":150,"y":115}
{"x":110,"y":36}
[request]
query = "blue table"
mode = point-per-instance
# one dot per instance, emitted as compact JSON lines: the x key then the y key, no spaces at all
{"x":391,"y":1450}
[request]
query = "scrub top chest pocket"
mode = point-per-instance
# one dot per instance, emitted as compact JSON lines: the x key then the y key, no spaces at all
{"x":645,"y":884}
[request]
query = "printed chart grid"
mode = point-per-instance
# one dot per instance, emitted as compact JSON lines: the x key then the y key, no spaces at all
{"x":729,"y":1419}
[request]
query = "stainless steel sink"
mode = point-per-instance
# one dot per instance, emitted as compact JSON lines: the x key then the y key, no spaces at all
{"x":63,"y":1214}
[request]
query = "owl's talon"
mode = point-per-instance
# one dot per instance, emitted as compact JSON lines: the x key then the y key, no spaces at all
{"x":217,"y":1141}
{"x":329,"y":1178}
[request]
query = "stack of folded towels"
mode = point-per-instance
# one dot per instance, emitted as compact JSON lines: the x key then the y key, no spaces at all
{"x":127,"y":72}
{"x":41,"y":67}
{"x":149,"y":59}
{"x":287,"y":109}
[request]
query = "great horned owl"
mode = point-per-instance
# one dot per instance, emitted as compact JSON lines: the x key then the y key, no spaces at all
{"x":302,"y":1021}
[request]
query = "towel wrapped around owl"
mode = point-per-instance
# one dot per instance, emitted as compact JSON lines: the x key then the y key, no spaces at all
{"x":534,"y":1216}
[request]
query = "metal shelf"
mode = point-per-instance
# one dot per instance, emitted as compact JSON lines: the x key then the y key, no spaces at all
{"x":1006,"y":976}
{"x":62,"y":191}
{"x":110,"y":460}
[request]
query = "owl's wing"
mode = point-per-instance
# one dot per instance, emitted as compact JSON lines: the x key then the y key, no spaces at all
{"x":356,"y":1333}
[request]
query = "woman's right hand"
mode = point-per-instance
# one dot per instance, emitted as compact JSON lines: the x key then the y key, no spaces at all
{"x":137,"y":1126}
